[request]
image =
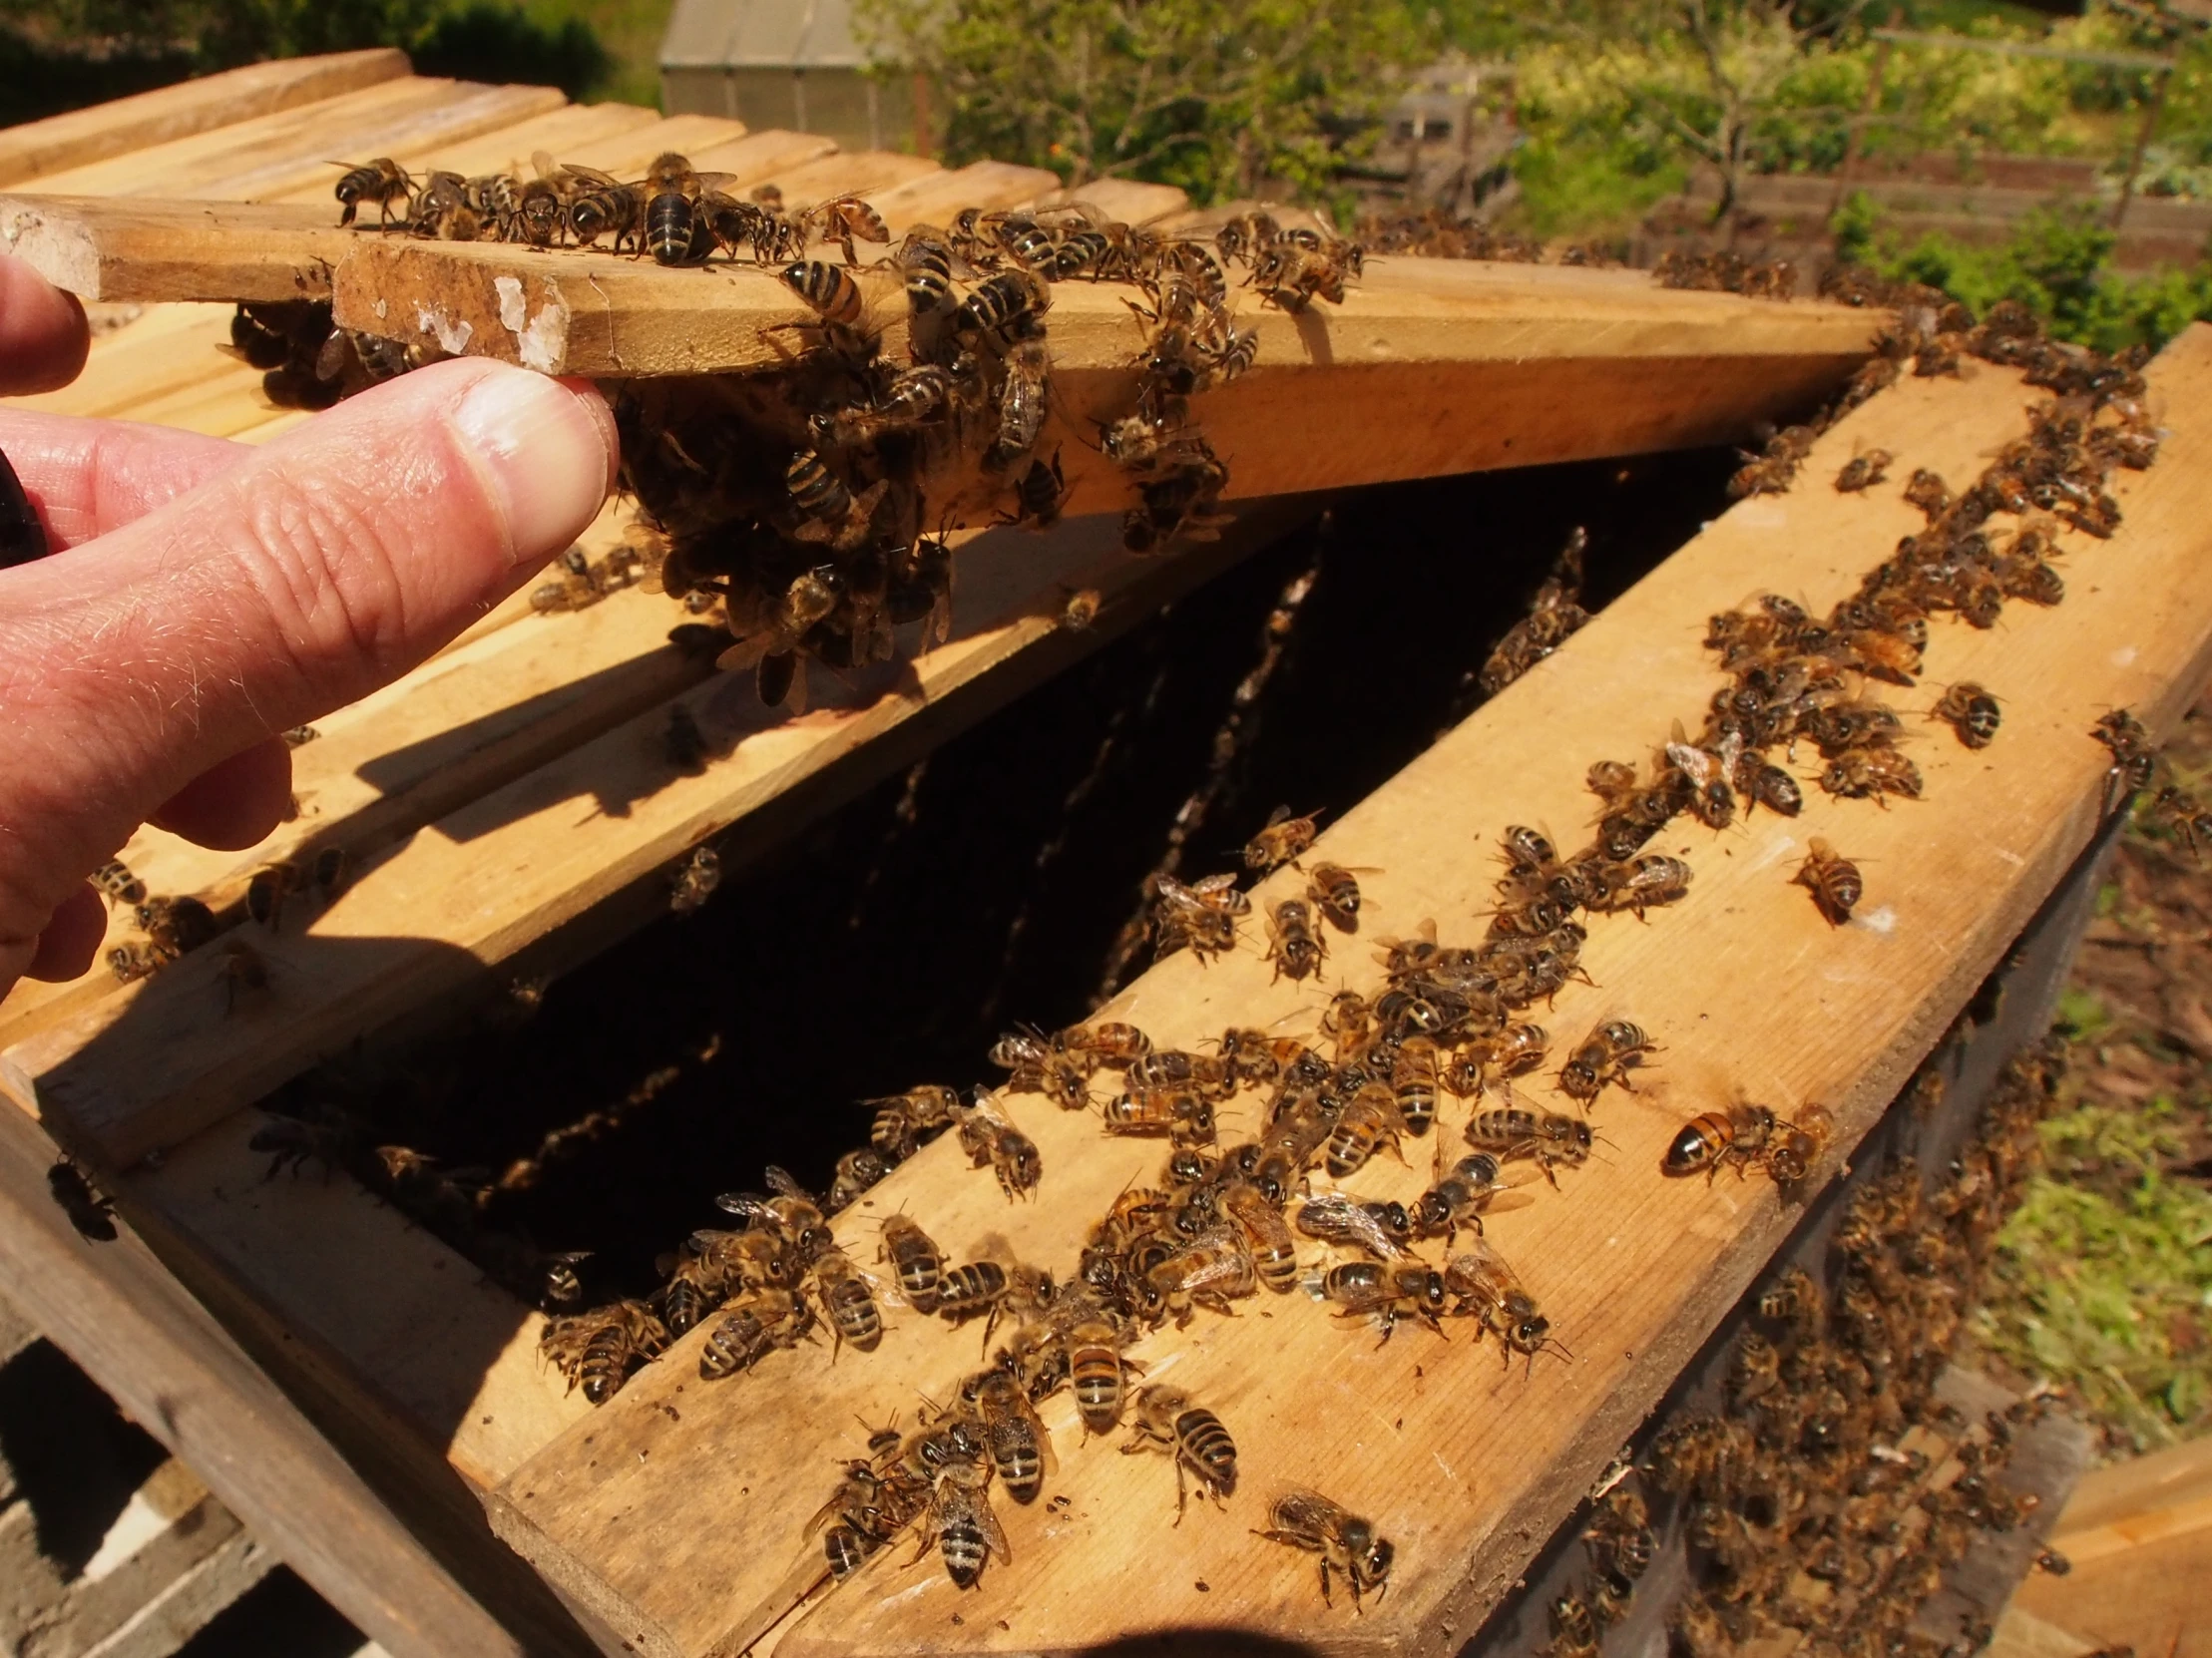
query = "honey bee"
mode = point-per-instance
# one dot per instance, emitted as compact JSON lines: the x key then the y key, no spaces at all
{"x":1349,"y":1021}
{"x":857,"y":1171}
{"x":2133,"y":762}
{"x":614,"y":1340}
{"x":1927,"y":491}
{"x":600,"y":206}
{"x":924,"y":263}
{"x":960,"y":1523}
{"x":1009,"y":306}
{"x":902,"y":1119}
{"x":971,"y":1290}
{"x":1549,"y":1140}
{"x":1274,"y":1252}
{"x":988,"y":1137}
{"x":1023,"y":401}
{"x":114,"y":878}
{"x":1020,"y":1448}
{"x":269,"y":886}
{"x":1871,"y":774}
{"x":1459,"y":1201}
{"x":1796,"y":1300}
{"x":1201,"y":916}
{"x":1573,"y":1628}
{"x":844,"y":219}
{"x":1607,"y":1054}
{"x":1178,"y":1112}
{"x":694,"y":880}
{"x":1968,"y":710}
{"x":1293,"y":944}
{"x":1334,"y":892}
{"x":1081,"y":610}
{"x":1864,"y":471}
{"x":1797,"y":1146}
{"x":1832,"y":879}
{"x":1293,"y":277}
{"x":1214,"y":1269}
{"x":1099,"y":1373}
{"x":1370,"y":1119}
{"x":1488,"y":1291}
{"x":1712,"y":800}
{"x":1171,"y":1067}
{"x":1413,"y":1078}
{"x":242,"y":972}
{"x":1738,"y":1136}
{"x":672,"y":220}
{"x":89,"y":1210}
{"x":383,"y":181}
{"x":1387,"y":1292}
{"x":1348,"y":1546}
{"x":1168,"y":1421}
{"x":176,"y":927}
{"x":1640,"y":883}
{"x":1381,"y":1230}
{"x":1281,"y":840}
{"x":838,"y":305}
{"x":916,"y":1261}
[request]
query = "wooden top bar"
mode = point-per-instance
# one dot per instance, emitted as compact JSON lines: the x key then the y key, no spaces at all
{"x":680,"y":1505}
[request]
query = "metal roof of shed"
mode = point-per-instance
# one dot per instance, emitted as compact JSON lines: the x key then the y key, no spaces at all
{"x":761,"y":34}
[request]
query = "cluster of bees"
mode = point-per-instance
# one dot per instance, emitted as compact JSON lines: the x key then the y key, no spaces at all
{"x":1726,"y":271}
{"x":1831,"y":1490}
{"x":812,"y":505}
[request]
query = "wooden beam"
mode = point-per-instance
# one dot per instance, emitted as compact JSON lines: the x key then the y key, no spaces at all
{"x":1467,"y":1466}
{"x":123,"y":124}
{"x":290,"y":151}
{"x":559,"y":840}
{"x":1128,"y":199}
{"x":102,"y":248}
{"x":113,"y":1309}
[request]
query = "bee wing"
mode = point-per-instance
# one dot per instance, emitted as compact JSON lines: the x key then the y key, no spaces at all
{"x":979,"y":1509}
{"x":1505,"y":1202}
{"x":716,"y":180}
{"x":780,"y":1182}
{"x":1302,"y":1509}
{"x":1210,"y":884}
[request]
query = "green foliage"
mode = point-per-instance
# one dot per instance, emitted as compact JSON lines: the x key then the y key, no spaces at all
{"x":61,"y":54}
{"x":1216,"y":96}
{"x":2057,"y":266}
{"x":486,"y":40}
{"x":1582,"y":186}
{"x":2104,"y":1278}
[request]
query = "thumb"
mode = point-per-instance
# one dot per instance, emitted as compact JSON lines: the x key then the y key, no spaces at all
{"x":296,"y":580}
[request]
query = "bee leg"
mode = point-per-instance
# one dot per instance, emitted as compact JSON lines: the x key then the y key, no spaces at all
{"x":1327,"y":1599}
{"x":1181,"y":1494}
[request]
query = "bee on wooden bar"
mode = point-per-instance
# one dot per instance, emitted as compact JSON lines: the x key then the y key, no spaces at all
{"x":1008,"y":307}
{"x":1549,"y":1141}
{"x":856,"y":1171}
{"x":1862,"y":471}
{"x":2133,"y":759}
{"x":603,"y":205}
{"x":1020,"y":1448}
{"x":1268,"y":1236}
{"x":924,"y":263}
{"x":1380,"y":1230}
{"x":1832,"y":879}
{"x":916,"y":1261}
{"x":1637,"y":885}
{"x":762,"y":1322}
{"x":959,"y":1523}
{"x":1387,"y":1292}
{"x":176,"y":927}
{"x":1166,"y":1421}
{"x":383,"y":181}
{"x":1099,"y":1373}
{"x":672,"y":190}
{"x":1605,"y":1056}
{"x":1082,"y":609}
{"x":1927,"y":491}
{"x":1334,"y":892}
{"x":1201,"y":916}
{"x":843,"y":220}
{"x":903,"y":1120}
{"x":1797,"y":1146}
{"x":1738,"y":1137}
{"x":694,"y":880}
{"x":1294,"y":947}
{"x":114,"y":878}
{"x":89,"y":1211}
{"x":1349,"y":1546}
{"x":847,"y":1301}
{"x":1459,"y":1201}
{"x":1370,"y":1119}
{"x":1872,"y":774}
{"x":1281,"y":841}
{"x":1488,"y":1291}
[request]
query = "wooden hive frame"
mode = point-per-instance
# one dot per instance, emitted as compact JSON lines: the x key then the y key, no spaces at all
{"x":428,"y":1377}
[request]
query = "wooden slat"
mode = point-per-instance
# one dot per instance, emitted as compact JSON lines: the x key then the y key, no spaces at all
{"x":1128,"y":199}
{"x":258,"y":160}
{"x":1467,"y":1466}
{"x":123,"y":124}
{"x":546,"y":848}
{"x":161,"y":249}
{"x":167,"y":347}
{"x":859,"y":172}
{"x":936,"y":199}
{"x":764,"y":154}
{"x":115,"y":1311}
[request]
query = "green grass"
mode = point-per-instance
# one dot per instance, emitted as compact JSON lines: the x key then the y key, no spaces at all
{"x":2103,"y":1275}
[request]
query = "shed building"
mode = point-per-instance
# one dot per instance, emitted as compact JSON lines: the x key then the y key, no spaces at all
{"x":796,"y":64}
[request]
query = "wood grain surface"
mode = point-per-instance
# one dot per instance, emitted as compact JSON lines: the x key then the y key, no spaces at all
{"x":676,"y":1511}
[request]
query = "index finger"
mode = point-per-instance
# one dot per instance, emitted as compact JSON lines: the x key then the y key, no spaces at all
{"x":43,"y":336}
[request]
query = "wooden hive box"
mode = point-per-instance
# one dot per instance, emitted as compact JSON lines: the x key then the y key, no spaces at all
{"x":477,"y":772}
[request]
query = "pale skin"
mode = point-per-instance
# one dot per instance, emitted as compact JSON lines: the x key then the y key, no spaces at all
{"x":205,"y":596}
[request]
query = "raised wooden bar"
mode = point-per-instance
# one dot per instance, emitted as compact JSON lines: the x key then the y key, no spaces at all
{"x":1467,"y":1465}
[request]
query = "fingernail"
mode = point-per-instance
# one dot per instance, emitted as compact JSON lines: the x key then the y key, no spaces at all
{"x":546,"y":448}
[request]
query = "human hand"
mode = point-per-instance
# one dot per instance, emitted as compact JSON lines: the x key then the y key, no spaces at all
{"x":205,"y":596}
